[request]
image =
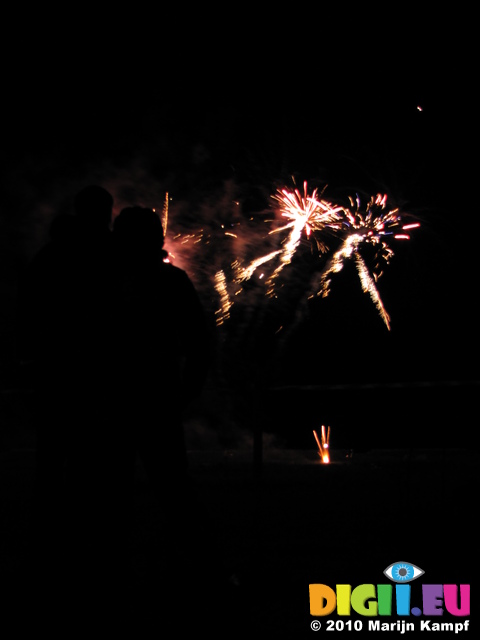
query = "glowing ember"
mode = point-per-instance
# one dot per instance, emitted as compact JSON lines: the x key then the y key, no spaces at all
{"x":323,"y":445}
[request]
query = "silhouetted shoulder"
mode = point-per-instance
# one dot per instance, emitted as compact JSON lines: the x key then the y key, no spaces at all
{"x":175,"y":273}
{"x":180,"y":287}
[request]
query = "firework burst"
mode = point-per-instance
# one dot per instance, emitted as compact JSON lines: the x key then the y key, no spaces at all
{"x":350,"y":228}
{"x":306,"y":213}
{"x":375,"y":226}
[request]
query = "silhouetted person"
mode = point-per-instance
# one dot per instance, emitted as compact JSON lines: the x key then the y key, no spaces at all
{"x":162,"y":357}
{"x":64,"y":323}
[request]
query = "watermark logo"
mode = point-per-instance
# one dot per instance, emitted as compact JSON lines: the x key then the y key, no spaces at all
{"x":403,"y":572}
{"x":382,"y":600}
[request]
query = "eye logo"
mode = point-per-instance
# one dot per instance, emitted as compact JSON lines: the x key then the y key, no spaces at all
{"x":403,"y":572}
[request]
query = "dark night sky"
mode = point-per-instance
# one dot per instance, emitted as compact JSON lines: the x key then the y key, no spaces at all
{"x":257,"y":103}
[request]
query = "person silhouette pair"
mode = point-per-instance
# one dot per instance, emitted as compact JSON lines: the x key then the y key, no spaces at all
{"x":118,"y":344}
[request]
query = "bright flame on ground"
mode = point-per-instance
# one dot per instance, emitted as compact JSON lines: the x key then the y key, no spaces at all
{"x":323,"y":445}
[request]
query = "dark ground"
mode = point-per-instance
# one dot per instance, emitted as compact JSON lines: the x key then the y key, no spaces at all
{"x":285,"y":524}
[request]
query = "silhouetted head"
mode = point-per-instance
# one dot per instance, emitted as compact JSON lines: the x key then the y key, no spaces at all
{"x":139,"y":232}
{"x":93,"y":206}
